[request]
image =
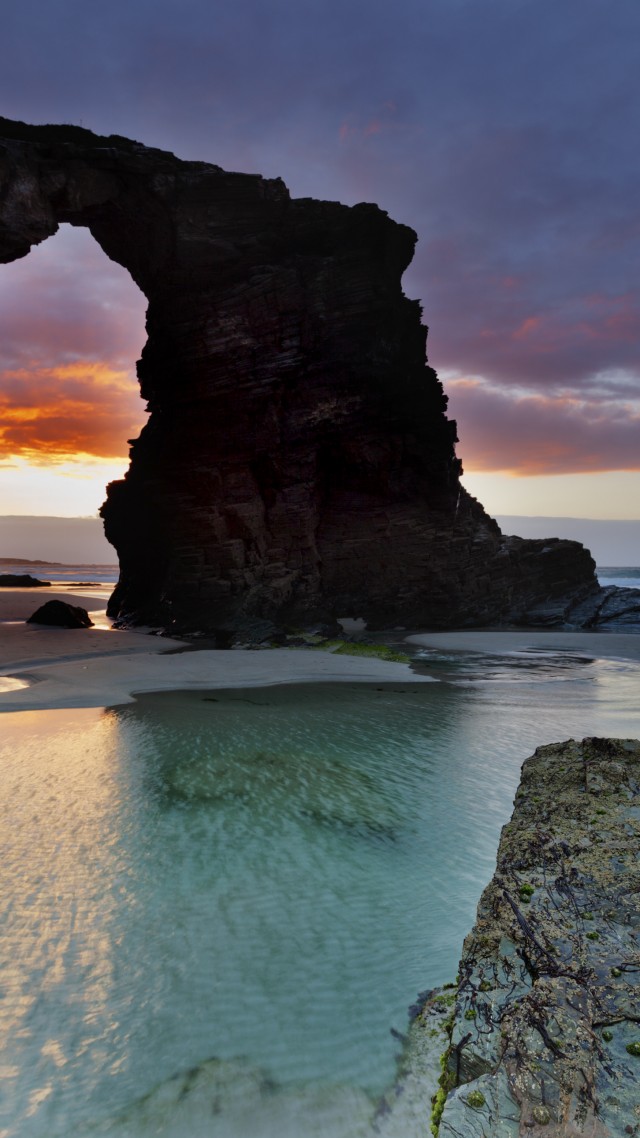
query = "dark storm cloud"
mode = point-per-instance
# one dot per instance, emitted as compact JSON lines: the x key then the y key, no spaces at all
{"x":503,"y":131}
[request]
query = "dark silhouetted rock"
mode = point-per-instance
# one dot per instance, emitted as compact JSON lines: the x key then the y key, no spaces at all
{"x":62,"y":615}
{"x":298,"y":464}
{"x":20,"y":581}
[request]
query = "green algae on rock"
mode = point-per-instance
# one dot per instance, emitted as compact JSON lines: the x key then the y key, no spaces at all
{"x":355,"y":648}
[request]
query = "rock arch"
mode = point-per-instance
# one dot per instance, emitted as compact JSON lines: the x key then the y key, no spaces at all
{"x":298,"y":464}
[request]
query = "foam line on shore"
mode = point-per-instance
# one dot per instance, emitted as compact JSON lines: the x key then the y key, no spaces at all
{"x":602,"y":645}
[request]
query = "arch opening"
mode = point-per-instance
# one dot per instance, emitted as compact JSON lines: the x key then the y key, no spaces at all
{"x":71,"y":329}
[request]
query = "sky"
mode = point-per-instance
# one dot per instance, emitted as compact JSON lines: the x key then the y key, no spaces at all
{"x":503,"y":131}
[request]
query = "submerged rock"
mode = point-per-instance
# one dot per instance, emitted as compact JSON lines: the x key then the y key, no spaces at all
{"x":230,"y":1099}
{"x":62,"y":615}
{"x":405,"y":1110}
{"x":298,"y":462}
{"x":319,"y":789}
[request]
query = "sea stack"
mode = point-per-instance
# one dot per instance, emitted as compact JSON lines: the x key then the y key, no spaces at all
{"x":298,"y":464}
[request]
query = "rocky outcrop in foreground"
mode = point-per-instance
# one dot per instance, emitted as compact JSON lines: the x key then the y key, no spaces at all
{"x":545,"y":1034}
{"x":298,"y":464}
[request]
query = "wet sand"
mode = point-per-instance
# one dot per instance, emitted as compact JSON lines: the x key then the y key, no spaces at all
{"x":44,"y":667}
{"x":102,"y":666}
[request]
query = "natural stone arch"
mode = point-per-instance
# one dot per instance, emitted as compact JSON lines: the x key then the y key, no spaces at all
{"x":298,"y":464}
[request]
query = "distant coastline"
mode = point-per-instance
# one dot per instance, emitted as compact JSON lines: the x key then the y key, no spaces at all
{"x":46,"y":540}
{"x":29,"y":561}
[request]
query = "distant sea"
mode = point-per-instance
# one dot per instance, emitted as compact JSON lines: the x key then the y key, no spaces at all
{"x":58,"y":573}
{"x":625,"y":576}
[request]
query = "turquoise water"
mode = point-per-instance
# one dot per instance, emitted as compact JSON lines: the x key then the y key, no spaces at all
{"x":270,"y":874}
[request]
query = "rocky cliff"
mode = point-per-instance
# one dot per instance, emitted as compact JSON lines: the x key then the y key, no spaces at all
{"x":298,"y":464}
{"x":545,"y":1034}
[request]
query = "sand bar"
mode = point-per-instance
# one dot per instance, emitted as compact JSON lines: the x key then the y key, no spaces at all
{"x":100,"y":667}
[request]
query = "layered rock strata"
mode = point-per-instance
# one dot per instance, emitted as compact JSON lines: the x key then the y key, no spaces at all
{"x":298,"y":464}
{"x":545,"y":1036}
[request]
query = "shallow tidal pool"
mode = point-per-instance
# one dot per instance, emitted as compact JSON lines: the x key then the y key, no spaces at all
{"x":268,"y":875}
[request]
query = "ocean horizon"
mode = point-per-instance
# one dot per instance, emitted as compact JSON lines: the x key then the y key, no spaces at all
{"x":625,"y":576}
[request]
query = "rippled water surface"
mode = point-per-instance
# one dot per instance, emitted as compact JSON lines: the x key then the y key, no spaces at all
{"x":269,"y":874}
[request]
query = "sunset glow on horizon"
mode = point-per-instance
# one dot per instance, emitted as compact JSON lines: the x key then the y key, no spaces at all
{"x":65,"y":413}
{"x":68,"y":404}
{"x":71,"y":329}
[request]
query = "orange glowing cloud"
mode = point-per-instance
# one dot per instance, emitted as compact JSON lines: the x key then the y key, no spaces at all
{"x":71,"y":327}
{"x":52,"y":414}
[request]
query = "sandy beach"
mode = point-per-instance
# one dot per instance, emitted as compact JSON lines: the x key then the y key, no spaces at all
{"x":103,"y":666}
{"x":44,"y":667}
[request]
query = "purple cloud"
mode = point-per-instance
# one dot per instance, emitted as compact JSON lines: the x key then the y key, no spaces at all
{"x":535,"y":434}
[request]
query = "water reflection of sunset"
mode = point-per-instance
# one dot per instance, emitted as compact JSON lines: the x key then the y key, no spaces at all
{"x":64,"y":876}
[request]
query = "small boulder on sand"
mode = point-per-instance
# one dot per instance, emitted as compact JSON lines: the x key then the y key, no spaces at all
{"x":61,"y":615}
